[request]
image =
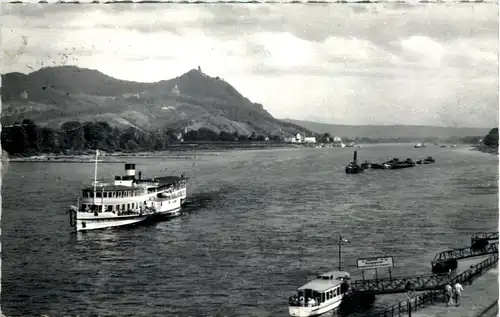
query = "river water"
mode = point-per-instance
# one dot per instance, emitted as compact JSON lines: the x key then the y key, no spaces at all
{"x":263,"y":223}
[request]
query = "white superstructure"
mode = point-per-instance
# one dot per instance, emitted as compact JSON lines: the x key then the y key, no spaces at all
{"x":320,"y":295}
{"x":128,"y":200}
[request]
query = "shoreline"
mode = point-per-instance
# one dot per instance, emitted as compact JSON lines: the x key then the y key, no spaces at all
{"x":185,"y":152}
{"x":485,"y":149}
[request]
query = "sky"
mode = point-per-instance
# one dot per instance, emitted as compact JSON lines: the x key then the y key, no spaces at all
{"x":423,"y":64}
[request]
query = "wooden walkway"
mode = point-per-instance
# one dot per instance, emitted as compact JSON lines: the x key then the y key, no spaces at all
{"x":476,"y":298}
{"x":480,"y":282}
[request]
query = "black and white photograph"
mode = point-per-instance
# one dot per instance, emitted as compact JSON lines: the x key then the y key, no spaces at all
{"x":249,"y":159}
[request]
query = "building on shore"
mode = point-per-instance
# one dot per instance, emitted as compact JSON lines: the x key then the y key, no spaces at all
{"x":310,"y":139}
{"x":176,"y":91}
{"x":299,"y":138}
{"x":337,"y":142}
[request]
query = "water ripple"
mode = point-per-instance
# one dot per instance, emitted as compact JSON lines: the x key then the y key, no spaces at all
{"x":260,"y":224}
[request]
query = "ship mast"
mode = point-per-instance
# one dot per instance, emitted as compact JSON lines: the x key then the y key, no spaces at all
{"x":95,"y":174}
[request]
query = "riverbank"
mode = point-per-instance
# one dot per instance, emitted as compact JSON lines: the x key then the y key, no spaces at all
{"x":185,"y":151}
{"x":485,"y":149}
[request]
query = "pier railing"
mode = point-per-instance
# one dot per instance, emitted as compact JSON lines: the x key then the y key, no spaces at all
{"x":492,"y":308}
{"x":467,"y":252}
{"x":399,"y":284}
{"x":484,"y":236}
{"x":406,"y":307}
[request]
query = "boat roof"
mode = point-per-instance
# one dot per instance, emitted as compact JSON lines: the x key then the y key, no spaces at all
{"x":163,"y":180}
{"x":326,"y":281}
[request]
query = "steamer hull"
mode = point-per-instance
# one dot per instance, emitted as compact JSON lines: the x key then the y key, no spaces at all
{"x":86,"y":224}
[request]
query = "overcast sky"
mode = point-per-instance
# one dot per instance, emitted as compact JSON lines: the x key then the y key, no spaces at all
{"x":349,"y":64}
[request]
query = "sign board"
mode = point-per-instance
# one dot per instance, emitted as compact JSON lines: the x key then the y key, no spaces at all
{"x":375,"y":263}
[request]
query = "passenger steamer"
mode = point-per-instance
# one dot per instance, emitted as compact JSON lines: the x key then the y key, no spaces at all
{"x":129,"y":200}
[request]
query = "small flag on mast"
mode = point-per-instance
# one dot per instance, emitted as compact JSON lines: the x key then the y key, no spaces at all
{"x":343,"y":240}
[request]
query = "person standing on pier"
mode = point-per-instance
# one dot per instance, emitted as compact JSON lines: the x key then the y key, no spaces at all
{"x":448,"y":293}
{"x":458,"y":289}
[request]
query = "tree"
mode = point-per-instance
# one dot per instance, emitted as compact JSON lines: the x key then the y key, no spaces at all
{"x":225,"y":136}
{"x":326,"y":138}
{"x":491,"y":139}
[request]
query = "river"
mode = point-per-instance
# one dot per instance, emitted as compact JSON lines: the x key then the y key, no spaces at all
{"x":264,"y":222}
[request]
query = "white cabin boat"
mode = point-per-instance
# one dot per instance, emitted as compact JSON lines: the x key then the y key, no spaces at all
{"x":320,"y":295}
{"x":128,"y":200}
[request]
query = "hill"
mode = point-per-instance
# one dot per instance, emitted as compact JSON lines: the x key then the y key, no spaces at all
{"x":194,"y":100}
{"x":414,"y":133}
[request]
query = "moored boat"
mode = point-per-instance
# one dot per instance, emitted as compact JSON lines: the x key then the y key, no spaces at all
{"x":324,"y":293}
{"x":129,"y":200}
{"x":320,"y":295}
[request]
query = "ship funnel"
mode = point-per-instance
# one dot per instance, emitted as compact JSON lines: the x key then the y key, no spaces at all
{"x":130,"y":169}
{"x":355,"y":159}
{"x":140,"y":175}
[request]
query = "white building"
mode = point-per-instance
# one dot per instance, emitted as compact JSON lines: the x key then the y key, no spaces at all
{"x":337,"y":141}
{"x":299,"y":138}
{"x":176,"y":91}
{"x":309,"y":139}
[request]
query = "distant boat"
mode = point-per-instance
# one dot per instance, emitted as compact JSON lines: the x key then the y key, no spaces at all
{"x":419,"y":145}
{"x":377,"y":166}
{"x":429,"y":160}
{"x":397,"y":164}
{"x":366,"y":165}
{"x":353,"y":167}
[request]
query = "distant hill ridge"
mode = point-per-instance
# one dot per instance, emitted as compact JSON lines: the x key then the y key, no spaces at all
{"x":54,"y":95}
{"x":389,"y":131}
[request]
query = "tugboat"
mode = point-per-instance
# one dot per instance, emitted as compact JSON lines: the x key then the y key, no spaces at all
{"x":353,"y":167}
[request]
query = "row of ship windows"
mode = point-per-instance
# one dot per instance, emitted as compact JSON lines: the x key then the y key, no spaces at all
{"x":88,"y":207}
{"x":111,"y":194}
{"x":117,"y":194}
